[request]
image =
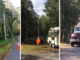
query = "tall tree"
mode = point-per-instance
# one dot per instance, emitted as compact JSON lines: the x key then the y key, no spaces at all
{"x":69,"y":13}
{"x":28,"y":20}
{"x":52,"y":10}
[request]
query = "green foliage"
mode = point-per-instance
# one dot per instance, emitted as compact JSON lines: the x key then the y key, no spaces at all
{"x":10,"y":18}
{"x":44,"y":25}
{"x":52,"y":10}
{"x":51,"y":19}
{"x":28,"y":21}
{"x":69,"y":14}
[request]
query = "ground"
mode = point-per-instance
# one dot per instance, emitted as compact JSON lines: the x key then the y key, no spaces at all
{"x":5,"y":47}
{"x":69,"y":53}
{"x":42,"y":52}
{"x":14,"y":53}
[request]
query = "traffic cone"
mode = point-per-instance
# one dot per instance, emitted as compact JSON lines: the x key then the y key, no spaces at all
{"x":75,"y":25}
{"x":75,"y":34}
{"x":18,"y":46}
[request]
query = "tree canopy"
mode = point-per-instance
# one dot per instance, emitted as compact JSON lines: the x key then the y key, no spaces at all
{"x":29,"y":21}
{"x":10,"y":18}
{"x":70,"y":9}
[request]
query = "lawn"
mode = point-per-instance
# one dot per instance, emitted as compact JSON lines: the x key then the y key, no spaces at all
{"x":34,"y":48}
{"x":5,"y":47}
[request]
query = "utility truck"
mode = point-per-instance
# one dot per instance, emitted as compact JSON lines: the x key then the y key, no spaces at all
{"x":53,"y":37}
{"x":75,"y":36}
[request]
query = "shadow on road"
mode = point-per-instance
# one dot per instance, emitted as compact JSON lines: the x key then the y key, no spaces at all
{"x":72,"y":53}
{"x":29,"y":57}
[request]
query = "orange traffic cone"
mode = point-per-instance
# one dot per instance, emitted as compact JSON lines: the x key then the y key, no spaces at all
{"x":18,"y":46}
{"x":75,"y":25}
{"x":75,"y":35}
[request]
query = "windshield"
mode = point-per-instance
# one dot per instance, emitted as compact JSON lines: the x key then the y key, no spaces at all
{"x":77,"y":28}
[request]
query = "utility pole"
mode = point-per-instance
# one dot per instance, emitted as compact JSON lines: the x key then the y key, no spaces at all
{"x":4,"y":25}
{"x":38,"y":25}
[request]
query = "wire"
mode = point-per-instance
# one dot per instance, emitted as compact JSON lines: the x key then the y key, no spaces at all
{"x":1,"y":19}
{"x":6,"y":39}
{"x":10,"y":31}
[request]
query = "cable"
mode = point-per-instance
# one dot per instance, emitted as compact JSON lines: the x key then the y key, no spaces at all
{"x":6,"y":39}
{"x":4,"y":32}
{"x":10,"y":31}
{"x":1,"y":19}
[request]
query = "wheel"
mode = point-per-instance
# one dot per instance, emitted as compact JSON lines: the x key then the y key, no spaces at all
{"x":50,"y":44}
{"x":53,"y":45}
{"x":72,"y":44}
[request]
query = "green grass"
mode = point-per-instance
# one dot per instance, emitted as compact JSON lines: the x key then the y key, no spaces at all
{"x":4,"y":48}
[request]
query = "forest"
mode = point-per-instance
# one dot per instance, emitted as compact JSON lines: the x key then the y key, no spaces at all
{"x":29,"y":20}
{"x":70,"y":9}
{"x":11,"y":18}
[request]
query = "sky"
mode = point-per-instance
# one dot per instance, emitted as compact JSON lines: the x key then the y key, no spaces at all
{"x":38,"y":6}
{"x":16,"y":3}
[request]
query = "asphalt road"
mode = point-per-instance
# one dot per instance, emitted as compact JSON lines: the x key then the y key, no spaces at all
{"x":70,"y":53}
{"x":14,"y":54}
{"x":49,"y":55}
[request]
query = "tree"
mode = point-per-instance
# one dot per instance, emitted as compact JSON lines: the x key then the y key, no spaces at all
{"x":69,"y":13}
{"x":9,"y":18}
{"x":52,"y":10}
{"x":28,"y":21}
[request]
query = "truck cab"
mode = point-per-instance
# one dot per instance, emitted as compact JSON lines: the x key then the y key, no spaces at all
{"x":75,"y":37}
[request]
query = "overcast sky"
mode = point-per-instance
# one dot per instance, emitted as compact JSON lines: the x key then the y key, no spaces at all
{"x":16,"y":3}
{"x":39,"y":6}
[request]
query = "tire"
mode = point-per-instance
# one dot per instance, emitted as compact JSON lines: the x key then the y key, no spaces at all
{"x":72,"y":44}
{"x":50,"y":44}
{"x":53,"y":45}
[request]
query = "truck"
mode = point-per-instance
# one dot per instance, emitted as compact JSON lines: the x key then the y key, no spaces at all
{"x":75,"y":36}
{"x":53,"y":37}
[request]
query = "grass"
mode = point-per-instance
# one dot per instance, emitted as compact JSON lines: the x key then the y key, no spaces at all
{"x":4,"y":48}
{"x":34,"y":48}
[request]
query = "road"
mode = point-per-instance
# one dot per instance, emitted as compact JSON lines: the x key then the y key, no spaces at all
{"x":70,"y":53}
{"x":14,"y":54}
{"x":51,"y":54}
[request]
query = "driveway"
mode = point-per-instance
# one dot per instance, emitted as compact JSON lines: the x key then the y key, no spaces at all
{"x":14,"y":54}
{"x":70,"y":53}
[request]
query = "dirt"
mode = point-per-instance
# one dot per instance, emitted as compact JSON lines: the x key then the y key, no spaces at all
{"x":49,"y":54}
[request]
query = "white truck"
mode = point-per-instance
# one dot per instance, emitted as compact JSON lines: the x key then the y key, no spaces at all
{"x":75,"y":37}
{"x":53,"y":38}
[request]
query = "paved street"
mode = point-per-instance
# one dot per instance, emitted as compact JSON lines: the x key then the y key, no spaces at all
{"x":70,"y":53}
{"x":49,"y":55}
{"x":14,"y":54}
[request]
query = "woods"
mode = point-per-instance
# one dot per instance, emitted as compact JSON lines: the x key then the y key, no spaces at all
{"x":70,"y":9}
{"x":12,"y":20}
{"x":29,"y":21}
